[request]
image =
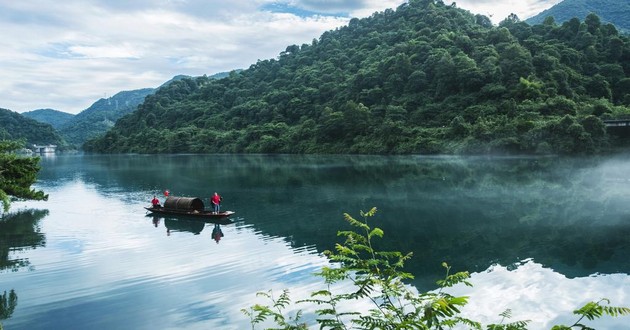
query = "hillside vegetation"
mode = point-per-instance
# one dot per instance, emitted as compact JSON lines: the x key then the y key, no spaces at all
{"x":611,"y":11}
{"x":14,"y":126}
{"x":424,"y":78}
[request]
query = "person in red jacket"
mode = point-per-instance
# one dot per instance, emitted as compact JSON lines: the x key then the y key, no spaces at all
{"x":155,"y":202}
{"x":215,"y":200}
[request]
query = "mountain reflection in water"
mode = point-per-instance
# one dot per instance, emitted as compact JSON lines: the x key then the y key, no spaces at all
{"x":534,"y":232}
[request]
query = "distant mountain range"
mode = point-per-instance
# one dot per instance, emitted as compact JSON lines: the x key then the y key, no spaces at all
{"x":71,"y":131}
{"x":616,"y":12}
{"x":53,"y":117}
{"x":101,"y":116}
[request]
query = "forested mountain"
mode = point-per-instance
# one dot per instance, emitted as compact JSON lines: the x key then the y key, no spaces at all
{"x":424,"y":78}
{"x":53,"y":117}
{"x":616,"y":12}
{"x":14,"y":126}
{"x":102,"y":115}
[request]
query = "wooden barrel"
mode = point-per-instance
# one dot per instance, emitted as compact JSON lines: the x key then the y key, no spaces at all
{"x":184,"y":204}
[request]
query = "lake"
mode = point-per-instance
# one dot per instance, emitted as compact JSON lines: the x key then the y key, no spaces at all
{"x":541,"y":236}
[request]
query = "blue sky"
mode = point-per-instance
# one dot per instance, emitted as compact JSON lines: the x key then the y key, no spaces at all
{"x":68,"y":54}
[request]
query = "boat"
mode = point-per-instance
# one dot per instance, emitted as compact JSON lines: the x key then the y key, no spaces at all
{"x":191,"y":207}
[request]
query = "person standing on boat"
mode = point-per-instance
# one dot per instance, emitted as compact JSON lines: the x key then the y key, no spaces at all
{"x":215,"y":200}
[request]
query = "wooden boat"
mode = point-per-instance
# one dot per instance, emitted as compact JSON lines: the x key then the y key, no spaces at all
{"x":189,"y":207}
{"x":194,"y":214}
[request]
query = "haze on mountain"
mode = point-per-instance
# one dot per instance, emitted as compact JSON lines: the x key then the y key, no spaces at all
{"x":616,"y":12}
{"x":53,"y":117}
{"x":101,"y":116}
{"x":424,"y":78}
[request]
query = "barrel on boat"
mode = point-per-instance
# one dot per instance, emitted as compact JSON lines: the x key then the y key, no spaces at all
{"x":184,"y":204}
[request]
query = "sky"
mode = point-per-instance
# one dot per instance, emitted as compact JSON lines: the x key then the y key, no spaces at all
{"x":66,"y":55}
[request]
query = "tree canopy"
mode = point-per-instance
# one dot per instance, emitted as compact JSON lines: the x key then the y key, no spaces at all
{"x":424,"y":78}
{"x":14,"y":126}
{"x":17,"y":174}
{"x":611,"y":11}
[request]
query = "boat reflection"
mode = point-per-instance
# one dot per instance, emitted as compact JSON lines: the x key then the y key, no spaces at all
{"x":178,"y":224}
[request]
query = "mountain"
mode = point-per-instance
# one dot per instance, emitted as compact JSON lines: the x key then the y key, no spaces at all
{"x":53,"y":117}
{"x":616,"y":12}
{"x":425,"y":78}
{"x":14,"y":126}
{"x":102,"y":115}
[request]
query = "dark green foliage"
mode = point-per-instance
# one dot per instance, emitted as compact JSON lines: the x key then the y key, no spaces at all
{"x":610,"y":11}
{"x":14,"y":126}
{"x":424,"y":78}
{"x":17,"y":174}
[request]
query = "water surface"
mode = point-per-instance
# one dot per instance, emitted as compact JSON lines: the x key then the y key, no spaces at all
{"x":541,"y":235}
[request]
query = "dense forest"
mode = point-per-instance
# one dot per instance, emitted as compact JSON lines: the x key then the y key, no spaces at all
{"x":425,"y":78}
{"x":14,"y":126}
{"x":611,"y":11}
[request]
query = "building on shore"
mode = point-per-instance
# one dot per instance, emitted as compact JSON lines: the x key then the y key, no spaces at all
{"x":44,"y":149}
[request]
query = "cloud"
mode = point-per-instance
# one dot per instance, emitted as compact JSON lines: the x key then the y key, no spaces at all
{"x":499,"y":10}
{"x":66,"y":55}
{"x":541,"y":295}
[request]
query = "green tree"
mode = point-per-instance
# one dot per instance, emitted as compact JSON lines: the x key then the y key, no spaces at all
{"x":17,"y":174}
{"x":378,"y":278}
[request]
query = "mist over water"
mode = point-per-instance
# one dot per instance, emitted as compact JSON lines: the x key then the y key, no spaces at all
{"x":541,"y":235}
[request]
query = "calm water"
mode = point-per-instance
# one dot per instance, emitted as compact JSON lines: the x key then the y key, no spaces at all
{"x":541,"y":235}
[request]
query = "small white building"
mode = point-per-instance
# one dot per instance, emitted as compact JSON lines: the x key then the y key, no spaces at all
{"x":51,"y":148}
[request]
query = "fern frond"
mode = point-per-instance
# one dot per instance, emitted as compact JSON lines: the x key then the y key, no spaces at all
{"x":369,"y":213}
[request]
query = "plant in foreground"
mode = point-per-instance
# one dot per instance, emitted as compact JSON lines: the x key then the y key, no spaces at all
{"x":377,"y":277}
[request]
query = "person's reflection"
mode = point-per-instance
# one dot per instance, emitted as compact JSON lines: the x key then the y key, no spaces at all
{"x":217,"y":233}
{"x":156,"y":221}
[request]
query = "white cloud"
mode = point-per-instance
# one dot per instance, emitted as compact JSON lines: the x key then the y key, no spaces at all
{"x":546,"y":298}
{"x":66,"y":55}
{"x":499,"y":10}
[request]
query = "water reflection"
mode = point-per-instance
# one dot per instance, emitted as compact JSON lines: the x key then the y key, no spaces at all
{"x":570,"y":214}
{"x":179,"y":225}
{"x":196,"y":226}
{"x":114,"y":267}
{"x":7,"y":305}
{"x":19,"y":231}
{"x":217,"y":233}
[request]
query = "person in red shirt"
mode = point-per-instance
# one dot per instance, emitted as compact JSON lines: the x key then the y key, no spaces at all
{"x":155,"y":202}
{"x":215,"y":200}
